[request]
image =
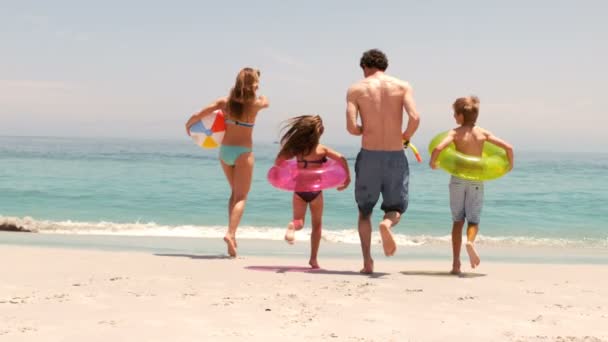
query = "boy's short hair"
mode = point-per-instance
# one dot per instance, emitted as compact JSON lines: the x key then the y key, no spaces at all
{"x":374,"y":58}
{"x":468,"y":107}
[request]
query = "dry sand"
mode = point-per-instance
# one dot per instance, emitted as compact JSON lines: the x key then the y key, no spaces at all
{"x":51,"y":294}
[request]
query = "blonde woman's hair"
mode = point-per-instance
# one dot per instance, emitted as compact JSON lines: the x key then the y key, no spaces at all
{"x":243,"y":92}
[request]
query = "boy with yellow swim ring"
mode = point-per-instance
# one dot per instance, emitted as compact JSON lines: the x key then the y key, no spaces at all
{"x":466,"y":196}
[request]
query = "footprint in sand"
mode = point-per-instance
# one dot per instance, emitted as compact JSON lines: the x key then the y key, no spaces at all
{"x":18,"y":300}
{"x":27,"y":329}
{"x":365,"y":285}
{"x":62,"y":297}
{"x":535,"y":292}
{"x":227,"y":301}
{"x":111,"y":323}
{"x":563,"y":307}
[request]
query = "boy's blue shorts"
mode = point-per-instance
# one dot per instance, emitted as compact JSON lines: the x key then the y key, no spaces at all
{"x":385,"y":172}
{"x":466,"y":200}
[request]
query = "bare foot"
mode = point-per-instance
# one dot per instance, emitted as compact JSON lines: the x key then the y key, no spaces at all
{"x":231,"y":246}
{"x":314,"y":264}
{"x":473,"y":256}
{"x":388,"y":242}
{"x":290,"y":234}
{"x":368,"y":267}
{"x":456,"y":269}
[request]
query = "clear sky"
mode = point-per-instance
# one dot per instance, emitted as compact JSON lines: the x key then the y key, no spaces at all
{"x":140,"y":68}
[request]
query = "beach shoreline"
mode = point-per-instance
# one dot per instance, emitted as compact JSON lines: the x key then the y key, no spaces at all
{"x":280,"y":249}
{"x":59,"y":294}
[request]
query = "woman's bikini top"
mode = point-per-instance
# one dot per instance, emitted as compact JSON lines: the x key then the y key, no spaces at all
{"x":239,"y":123}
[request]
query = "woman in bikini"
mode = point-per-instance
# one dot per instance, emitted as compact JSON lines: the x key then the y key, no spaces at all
{"x":240,"y":107}
{"x":301,"y":141}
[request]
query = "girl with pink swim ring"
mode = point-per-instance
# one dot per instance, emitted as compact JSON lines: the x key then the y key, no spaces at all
{"x":301,"y":141}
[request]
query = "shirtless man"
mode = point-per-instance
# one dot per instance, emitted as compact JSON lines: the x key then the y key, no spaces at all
{"x":381,"y":165}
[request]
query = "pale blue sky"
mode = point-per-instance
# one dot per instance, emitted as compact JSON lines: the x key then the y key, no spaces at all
{"x":140,"y":68}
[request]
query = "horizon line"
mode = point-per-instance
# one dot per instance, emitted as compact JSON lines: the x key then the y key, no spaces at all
{"x":266,"y":142}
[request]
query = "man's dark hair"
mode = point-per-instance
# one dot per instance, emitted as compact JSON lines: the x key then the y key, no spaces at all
{"x":374,"y":58}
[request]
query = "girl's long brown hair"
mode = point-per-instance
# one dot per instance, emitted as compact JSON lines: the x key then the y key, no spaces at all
{"x":301,"y":136}
{"x":243,"y":92}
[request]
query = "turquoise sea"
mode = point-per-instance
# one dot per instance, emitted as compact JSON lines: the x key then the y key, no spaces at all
{"x":175,"y":189}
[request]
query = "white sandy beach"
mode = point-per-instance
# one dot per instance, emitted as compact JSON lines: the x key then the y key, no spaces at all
{"x":49,"y":294}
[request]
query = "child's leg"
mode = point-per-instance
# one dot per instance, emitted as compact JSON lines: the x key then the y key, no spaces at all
{"x":457,"y":207}
{"x":316,"y":213}
{"x":456,"y":244}
{"x":472,"y":230}
{"x":473,"y":205}
{"x":299,"y":211}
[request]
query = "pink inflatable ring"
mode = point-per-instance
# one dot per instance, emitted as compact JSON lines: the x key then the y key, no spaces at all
{"x":288,"y":176}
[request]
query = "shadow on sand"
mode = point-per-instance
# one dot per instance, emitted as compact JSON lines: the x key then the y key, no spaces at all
{"x":442,"y":274}
{"x":194,"y":256}
{"x":301,"y":269}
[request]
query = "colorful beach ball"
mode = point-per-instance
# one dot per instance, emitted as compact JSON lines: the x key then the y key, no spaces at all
{"x":209,"y":132}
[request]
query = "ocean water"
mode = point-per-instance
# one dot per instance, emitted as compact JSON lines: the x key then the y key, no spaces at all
{"x":173,"y":188}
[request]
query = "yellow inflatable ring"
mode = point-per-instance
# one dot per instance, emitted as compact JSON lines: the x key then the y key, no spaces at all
{"x":491,"y":165}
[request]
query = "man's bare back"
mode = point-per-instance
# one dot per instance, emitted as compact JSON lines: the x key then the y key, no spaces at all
{"x":380,"y":100}
{"x":381,"y":167}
